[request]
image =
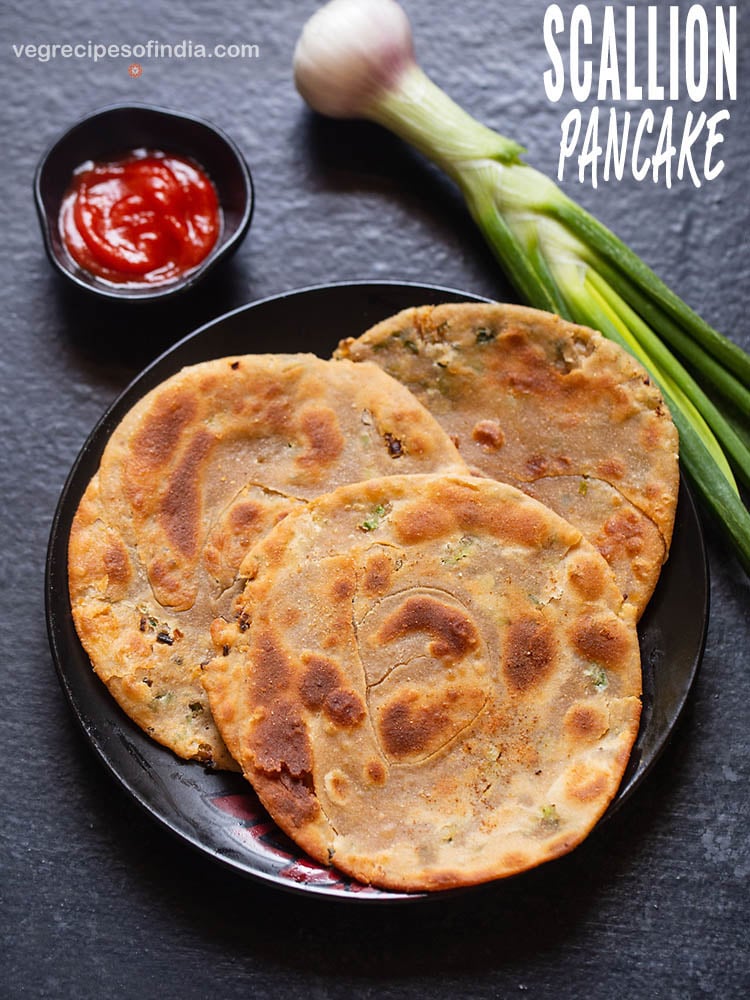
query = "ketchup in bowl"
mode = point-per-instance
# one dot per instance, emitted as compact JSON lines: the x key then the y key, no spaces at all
{"x":148,"y":218}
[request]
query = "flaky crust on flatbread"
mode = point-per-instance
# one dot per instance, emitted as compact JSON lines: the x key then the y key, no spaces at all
{"x":198,"y":471}
{"x":552,"y":408}
{"x":431,"y":681}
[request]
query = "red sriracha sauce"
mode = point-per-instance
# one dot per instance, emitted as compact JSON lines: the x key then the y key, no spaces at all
{"x":147,"y":218}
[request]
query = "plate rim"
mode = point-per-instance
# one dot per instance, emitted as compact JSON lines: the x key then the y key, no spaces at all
{"x":100,"y":431}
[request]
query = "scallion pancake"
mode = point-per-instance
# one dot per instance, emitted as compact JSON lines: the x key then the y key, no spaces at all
{"x":552,"y":408}
{"x":195,"y":473}
{"x":431,"y":681}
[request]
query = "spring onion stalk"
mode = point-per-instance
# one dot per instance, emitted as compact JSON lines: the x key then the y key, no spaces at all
{"x":355,"y":59}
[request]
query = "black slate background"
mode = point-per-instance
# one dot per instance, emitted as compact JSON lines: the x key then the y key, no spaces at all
{"x":96,"y":900}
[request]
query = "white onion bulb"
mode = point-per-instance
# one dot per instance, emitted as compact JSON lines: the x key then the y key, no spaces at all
{"x":350,"y":53}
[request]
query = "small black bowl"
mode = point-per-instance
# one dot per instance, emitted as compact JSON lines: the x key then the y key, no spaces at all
{"x":116,"y":130}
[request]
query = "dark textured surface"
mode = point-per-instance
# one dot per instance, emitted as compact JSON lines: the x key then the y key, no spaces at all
{"x":98,"y":901}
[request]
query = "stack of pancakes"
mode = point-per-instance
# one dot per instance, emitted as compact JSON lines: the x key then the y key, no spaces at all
{"x":398,"y":589}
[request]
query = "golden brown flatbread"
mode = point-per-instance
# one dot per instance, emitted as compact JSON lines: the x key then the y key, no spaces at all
{"x":431,"y":681}
{"x":196,"y":472}
{"x":552,"y":408}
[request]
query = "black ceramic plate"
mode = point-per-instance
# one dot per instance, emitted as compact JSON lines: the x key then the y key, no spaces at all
{"x":217,"y":812}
